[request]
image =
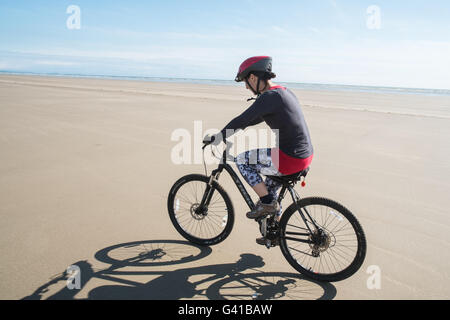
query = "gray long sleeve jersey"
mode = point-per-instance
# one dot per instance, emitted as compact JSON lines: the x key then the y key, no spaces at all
{"x":280,"y":109}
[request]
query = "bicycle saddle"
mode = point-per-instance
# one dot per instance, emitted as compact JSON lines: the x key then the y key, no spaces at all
{"x":290,"y":178}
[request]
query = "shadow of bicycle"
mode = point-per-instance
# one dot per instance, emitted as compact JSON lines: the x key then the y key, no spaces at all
{"x":129,"y":263}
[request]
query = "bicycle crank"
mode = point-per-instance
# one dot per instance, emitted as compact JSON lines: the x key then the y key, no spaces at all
{"x":268,"y":227}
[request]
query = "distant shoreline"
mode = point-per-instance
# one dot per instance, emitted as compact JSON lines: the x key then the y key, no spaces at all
{"x":437,"y":106}
{"x":305,"y":86}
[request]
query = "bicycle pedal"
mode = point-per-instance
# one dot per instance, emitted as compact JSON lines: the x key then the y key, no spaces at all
{"x":268,"y":243}
{"x":269,"y":215}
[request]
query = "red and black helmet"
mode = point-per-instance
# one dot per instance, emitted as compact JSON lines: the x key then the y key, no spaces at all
{"x":258,"y":64}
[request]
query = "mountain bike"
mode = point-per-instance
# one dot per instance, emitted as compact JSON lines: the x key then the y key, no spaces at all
{"x":319,"y":237}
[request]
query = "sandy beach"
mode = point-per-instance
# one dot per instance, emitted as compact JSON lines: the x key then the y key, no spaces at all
{"x":86,"y":168}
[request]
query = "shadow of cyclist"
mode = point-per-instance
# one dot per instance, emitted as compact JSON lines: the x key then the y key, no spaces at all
{"x":220,"y":281}
{"x":176,"y":284}
{"x":64,"y":293}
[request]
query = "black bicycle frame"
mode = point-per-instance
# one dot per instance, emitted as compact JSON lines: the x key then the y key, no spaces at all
{"x":215,"y":174}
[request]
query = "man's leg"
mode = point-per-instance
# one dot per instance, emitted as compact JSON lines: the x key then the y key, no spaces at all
{"x":261,"y":189}
{"x":250,"y":164}
{"x":273,"y":187}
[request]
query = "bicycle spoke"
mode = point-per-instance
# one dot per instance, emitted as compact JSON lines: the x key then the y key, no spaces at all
{"x":201,"y":225}
{"x":338,"y":244}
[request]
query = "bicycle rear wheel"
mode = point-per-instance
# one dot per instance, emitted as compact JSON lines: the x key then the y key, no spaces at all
{"x":213,"y":224}
{"x":335,"y":252}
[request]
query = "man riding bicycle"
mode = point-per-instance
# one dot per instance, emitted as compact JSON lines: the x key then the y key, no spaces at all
{"x":280,"y":109}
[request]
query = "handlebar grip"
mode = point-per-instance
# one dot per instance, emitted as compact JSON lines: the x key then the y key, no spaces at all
{"x":208,"y":139}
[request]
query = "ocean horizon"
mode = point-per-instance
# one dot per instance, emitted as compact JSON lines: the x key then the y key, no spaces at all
{"x":296,"y":85}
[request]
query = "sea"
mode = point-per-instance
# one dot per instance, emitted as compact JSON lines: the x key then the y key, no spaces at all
{"x":297,"y":85}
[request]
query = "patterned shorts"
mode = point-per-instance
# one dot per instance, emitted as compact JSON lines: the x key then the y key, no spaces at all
{"x":254,"y":162}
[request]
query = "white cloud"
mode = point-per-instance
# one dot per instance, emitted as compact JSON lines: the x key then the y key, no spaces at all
{"x":422,"y":64}
{"x":278,"y":29}
{"x":315,"y":30}
{"x":55,"y":63}
{"x":401,"y":64}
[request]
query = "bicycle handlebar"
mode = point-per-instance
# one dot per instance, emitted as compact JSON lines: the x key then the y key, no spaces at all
{"x":207,"y":140}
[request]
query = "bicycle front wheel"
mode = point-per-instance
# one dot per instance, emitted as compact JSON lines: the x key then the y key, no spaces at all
{"x":208,"y":227}
{"x":334,"y":252}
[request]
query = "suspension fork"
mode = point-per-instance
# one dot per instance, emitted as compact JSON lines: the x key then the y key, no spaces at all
{"x":209,"y":191}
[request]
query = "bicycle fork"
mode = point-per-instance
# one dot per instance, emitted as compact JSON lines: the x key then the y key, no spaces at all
{"x":207,"y":195}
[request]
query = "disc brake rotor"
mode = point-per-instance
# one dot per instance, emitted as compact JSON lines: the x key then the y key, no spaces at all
{"x":194,"y":214}
{"x":320,"y":242}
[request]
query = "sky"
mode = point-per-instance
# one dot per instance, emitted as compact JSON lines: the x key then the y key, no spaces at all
{"x":381,"y":43}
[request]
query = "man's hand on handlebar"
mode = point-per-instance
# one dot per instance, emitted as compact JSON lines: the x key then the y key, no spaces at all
{"x":215,"y":140}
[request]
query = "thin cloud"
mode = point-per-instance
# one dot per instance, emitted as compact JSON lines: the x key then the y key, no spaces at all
{"x":313,"y":29}
{"x":56,"y":63}
{"x":278,"y":29}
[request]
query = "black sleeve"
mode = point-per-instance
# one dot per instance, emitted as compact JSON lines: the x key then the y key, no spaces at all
{"x":255,"y":122}
{"x":264,"y":105}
